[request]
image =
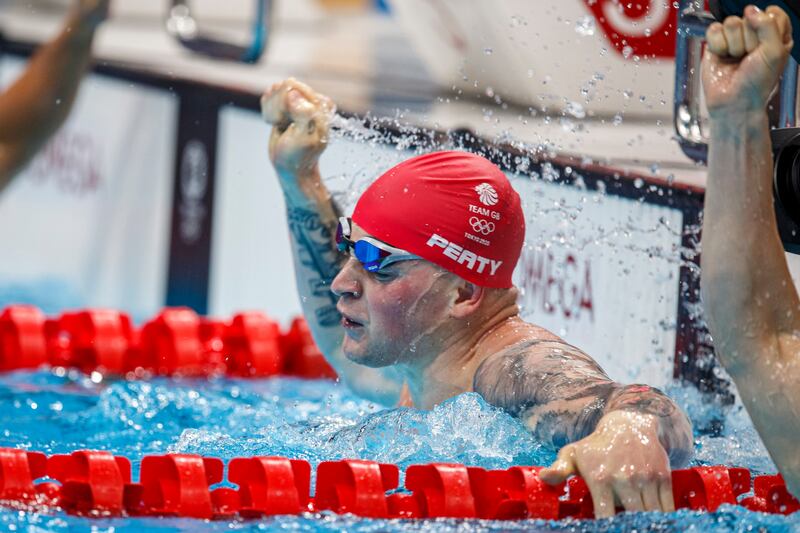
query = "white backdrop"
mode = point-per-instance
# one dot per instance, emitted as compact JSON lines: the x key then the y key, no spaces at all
{"x":87,"y":222}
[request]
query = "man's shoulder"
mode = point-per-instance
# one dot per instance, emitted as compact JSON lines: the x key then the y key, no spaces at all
{"x":510,"y":360}
{"x":530,"y":347}
{"x":531,"y":356}
{"x":534,"y":372}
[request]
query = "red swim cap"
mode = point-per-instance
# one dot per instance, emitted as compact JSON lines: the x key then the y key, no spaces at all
{"x":455,"y":209}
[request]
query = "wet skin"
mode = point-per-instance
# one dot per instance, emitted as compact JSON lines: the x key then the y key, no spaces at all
{"x":752,"y":307}
{"x":386,"y":314}
{"x":396,"y":318}
{"x":417,"y":324}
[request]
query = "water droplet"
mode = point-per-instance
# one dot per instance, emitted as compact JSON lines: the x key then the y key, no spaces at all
{"x":585,"y":26}
{"x":516,"y":20}
{"x":627,"y":52}
{"x":575,"y":109}
{"x":488,"y":51}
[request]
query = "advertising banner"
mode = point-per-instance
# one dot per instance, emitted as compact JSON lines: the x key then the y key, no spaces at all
{"x":87,"y":221}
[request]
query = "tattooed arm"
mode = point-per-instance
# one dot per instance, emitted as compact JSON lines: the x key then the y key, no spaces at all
{"x":300,"y":120}
{"x":620,"y":438}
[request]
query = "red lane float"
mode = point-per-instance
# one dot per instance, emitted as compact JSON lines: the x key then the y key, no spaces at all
{"x":355,"y":486}
{"x":97,"y":483}
{"x":303,"y":358}
{"x":170,"y":344}
{"x":704,"y":488}
{"x":176,"y":485}
{"x":441,"y":490}
{"x":514,"y":494}
{"x":254,"y":344}
{"x":91,"y":481}
{"x":175,"y":342}
{"x":22,"y":340}
{"x":270,"y":485}
{"x":771,"y":496}
{"x":98,"y":339}
{"x":18,"y":470}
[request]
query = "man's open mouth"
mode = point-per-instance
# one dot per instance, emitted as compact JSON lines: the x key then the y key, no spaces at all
{"x":349,"y":322}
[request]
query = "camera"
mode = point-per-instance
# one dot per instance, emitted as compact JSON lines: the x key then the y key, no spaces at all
{"x":786,"y":185}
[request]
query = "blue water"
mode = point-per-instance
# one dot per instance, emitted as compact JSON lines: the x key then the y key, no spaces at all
{"x":320,"y":420}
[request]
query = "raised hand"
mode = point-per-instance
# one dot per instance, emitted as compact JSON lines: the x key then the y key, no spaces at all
{"x":301,"y":119}
{"x":744,"y":59}
{"x":91,"y":13}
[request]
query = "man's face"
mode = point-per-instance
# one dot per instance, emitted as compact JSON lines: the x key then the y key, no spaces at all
{"x":389,"y":315}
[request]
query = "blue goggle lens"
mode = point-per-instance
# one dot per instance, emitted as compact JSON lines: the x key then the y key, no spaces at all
{"x":369,"y":255}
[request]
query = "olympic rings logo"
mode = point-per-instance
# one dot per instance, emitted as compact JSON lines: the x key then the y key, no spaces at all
{"x":481,"y":226}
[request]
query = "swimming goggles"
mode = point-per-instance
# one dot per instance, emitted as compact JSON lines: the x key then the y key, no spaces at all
{"x":372,"y":253}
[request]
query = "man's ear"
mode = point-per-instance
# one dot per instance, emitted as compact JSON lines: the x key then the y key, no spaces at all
{"x":469,"y":296}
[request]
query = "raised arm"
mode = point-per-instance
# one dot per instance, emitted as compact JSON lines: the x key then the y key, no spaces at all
{"x":620,"y":438}
{"x":300,"y":119}
{"x":750,"y":301}
{"x":36,"y":105}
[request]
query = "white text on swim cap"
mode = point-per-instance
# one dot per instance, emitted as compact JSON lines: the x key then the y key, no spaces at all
{"x":462,"y":255}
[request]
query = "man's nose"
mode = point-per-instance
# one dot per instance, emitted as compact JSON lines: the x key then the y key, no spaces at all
{"x":346,"y":282}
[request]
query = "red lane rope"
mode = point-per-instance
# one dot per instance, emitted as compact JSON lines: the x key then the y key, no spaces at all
{"x":175,"y":342}
{"x":179,"y":342}
{"x":97,"y":483}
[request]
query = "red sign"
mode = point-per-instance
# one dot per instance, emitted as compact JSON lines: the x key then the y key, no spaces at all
{"x":638,"y":28}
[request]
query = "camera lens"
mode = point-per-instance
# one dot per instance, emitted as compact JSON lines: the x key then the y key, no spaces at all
{"x":786,"y":186}
{"x":787,"y":180}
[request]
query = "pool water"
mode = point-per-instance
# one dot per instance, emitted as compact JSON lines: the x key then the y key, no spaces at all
{"x":59,"y":412}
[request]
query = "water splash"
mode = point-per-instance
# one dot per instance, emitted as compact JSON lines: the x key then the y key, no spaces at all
{"x":319,"y":420}
{"x":585,"y":26}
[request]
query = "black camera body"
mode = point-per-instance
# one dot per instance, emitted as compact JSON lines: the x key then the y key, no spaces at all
{"x":786,"y":185}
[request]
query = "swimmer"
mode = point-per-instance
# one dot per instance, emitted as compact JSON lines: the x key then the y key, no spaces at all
{"x":752,"y":307}
{"x":35,"y":106}
{"x":411,"y":300}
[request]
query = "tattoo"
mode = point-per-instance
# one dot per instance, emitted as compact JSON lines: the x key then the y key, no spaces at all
{"x":316,"y":251}
{"x":561,"y":394}
{"x":643,"y":399}
{"x":316,"y":241}
{"x":319,"y":287}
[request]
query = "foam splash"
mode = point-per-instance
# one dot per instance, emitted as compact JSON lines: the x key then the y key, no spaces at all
{"x":464,"y":429}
